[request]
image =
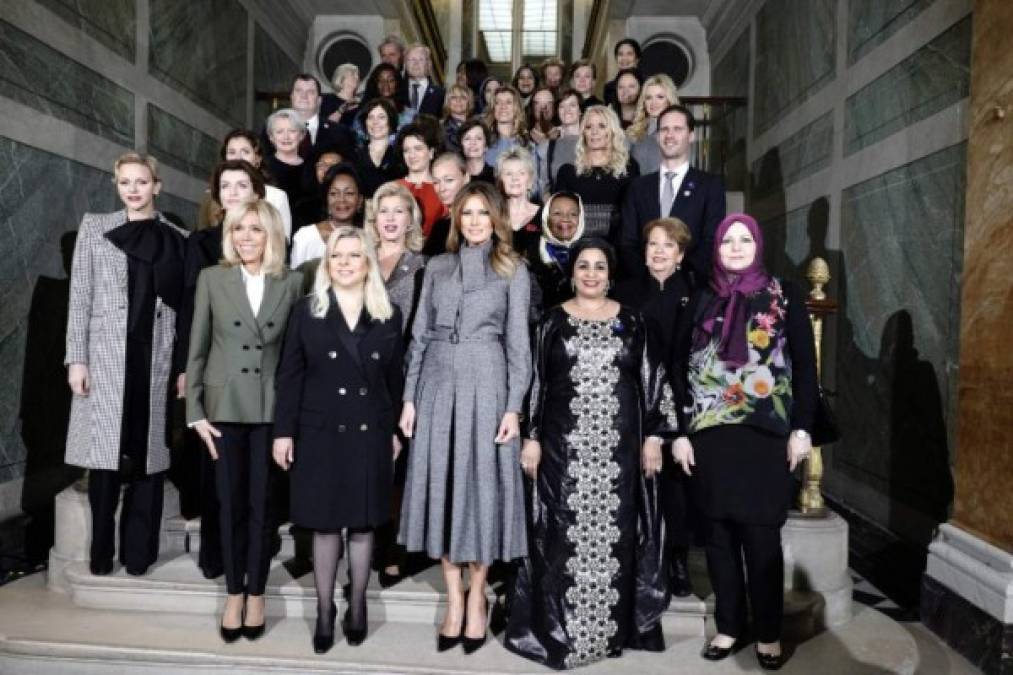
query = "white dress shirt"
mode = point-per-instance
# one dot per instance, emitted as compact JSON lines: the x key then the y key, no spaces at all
{"x":312,"y":126}
{"x":680,"y":174}
{"x":254,"y":284}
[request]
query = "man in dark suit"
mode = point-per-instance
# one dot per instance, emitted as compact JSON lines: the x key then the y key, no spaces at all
{"x":320,"y":132}
{"x":677,"y":190}
{"x":424,"y":96}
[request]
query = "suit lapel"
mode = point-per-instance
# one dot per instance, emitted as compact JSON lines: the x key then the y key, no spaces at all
{"x":237,"y":294}
{"x":686,"y":190}
{"x":343,"y":335}
{"x":116,"y":258}
{"x":273,"y":291}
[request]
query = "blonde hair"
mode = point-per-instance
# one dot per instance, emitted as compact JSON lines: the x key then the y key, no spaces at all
{"x":137,"y":158}
{"x":641,"y":122}
{"x":270,"y":220}
{"x":502,"y":258}
{"x":618,"y":154}
{"x":462,"y":91}
{"x":341,"y":72}
{"x":516,"y":153}
{"x":413,"y":238}
{"x":374,"y":293}
{"x":520,"y":131}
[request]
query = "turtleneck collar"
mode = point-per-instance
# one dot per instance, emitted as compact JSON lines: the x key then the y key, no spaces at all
{"x":474,"y":264}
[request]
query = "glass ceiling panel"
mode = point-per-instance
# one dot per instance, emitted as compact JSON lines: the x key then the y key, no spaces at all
{"x":540,"y":15}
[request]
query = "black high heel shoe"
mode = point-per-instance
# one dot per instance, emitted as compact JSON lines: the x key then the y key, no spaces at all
{"x":322,"y":643}
{"x":230,"y":635}
{"x":354,"y":636}
{"x":253,"y":632}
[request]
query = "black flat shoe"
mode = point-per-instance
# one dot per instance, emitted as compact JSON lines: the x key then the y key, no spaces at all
{"x":714,"y":653}
{"x":100,"y":568}
{"x":322,"y":642}
{"x":354,"y":636}
{"x":770,"y":661}
{"x":387,"y":580}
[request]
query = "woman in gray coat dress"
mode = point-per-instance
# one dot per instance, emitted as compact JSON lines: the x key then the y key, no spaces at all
{"x":468,"y":371}
{"x":126,"y":284}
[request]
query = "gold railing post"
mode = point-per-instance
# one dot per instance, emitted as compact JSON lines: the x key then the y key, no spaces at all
{"x":810,"y":499}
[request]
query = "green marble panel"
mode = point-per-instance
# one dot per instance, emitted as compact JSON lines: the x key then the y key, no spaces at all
{"x":795,"y":56}
{"x":179,"y":145}
{"x":871,"y":22}
{"x":933,"y":78}
{"x":897,"y":337}
{"x":792,"y":239}
{"x":802,"y":154}
{"x":272,"y":74}
{"x":36,"y":75}
{"x":199,"y":48}
{"x":42,"y":199}
{"x":184,"y":208}
{"x":730,"y":128}
{"x":111,"y":22}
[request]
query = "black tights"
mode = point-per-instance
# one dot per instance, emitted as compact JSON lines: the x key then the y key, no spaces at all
{"x":326,"y":553}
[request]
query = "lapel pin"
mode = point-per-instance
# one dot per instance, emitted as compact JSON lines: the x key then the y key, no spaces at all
{"x":375,"y":356}
{"x":333,"y":355}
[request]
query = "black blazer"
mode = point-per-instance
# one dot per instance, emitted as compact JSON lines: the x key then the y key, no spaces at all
{"x":203,"y":249}
{"x":432,"y":99}
{"x":701,"y":209}
{"x":339,"y":397}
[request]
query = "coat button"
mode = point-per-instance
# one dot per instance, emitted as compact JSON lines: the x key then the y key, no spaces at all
{"x":236,"y":323}
{"x":246,"y":348}
{"x":260,"y":347}
{"x":246,"y":370}
{"x":256,"y":370}
{"x":363,"y":391}
{"x":364,"y":427}
{"x":342,"y":391}
{"x":332,"y":355}
{"x":341,"y":428}
{"x":270,"y":324}
{"x":158,"y":315}
{"x":375,"y":356}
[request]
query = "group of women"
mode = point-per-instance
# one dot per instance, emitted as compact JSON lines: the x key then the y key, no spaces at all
{"x":451,"y":347}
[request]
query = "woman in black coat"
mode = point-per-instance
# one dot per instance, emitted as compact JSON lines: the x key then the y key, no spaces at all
{"x":339,"y":391}
{"x":661,"y":293}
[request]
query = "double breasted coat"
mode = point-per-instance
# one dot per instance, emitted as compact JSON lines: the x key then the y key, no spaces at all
{"x":97,"y":338}
{"x":234,"y":354}
{"x":339,"y":399}
{"x":469,"y":363}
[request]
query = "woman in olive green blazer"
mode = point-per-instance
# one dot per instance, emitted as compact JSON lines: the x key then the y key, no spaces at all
{"x":240,"y":312}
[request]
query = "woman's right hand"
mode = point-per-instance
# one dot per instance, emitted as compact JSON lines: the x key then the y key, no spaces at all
{"x":78,"y":379}
{"x":531,"y":456}
{"x":682,"y":452}
{"x":407,"y":422}
{"x":283,"y":452}
{"x":208,"y":434}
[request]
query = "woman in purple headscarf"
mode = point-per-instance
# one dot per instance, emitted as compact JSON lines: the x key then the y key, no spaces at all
{"x":745,"y":373}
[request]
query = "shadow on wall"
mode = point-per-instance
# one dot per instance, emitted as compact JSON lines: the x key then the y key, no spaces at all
{"x":888,"y":404}
{"x":45,"y":406}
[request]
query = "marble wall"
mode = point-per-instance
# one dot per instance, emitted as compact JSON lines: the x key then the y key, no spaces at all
{"x":200,"y":48}
{"x":795,"y":56}
{"x":731,"y":79}
{"x":272,"y":74}
{"x":855,"y":154}
{"x":36,"y":75}
{"x":82,"y":81}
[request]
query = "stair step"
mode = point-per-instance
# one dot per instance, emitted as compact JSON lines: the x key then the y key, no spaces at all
{"x":176,"y":585}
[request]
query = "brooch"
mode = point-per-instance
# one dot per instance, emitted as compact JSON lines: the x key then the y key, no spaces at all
{"x":617,"y":326}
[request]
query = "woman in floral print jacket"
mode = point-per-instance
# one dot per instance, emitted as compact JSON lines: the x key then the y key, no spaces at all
{"x":744,"y":369}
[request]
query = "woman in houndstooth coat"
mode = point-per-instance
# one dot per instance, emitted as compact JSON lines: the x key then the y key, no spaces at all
{"x":125,"y":287}
{"x":468,"y":371}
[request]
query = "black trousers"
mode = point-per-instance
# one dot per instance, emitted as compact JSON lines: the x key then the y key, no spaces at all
{"x":210,"y":557}
{"x":675,"y":504}
{"x":241,"y":476}
{"x":728,"y":543}
{"x":140,"y":518}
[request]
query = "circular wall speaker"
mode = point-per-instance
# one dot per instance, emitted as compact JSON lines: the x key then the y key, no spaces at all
{"x":668,"y":54}
{"x":339,"y":48}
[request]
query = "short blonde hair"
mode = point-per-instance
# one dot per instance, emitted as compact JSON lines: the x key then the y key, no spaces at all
{"x":638,"y":128}
{"x":290,"y":114}
{"x":270,"y":220}
{"x":137,"y":158}
{"x":516,"y":153}
{"x":619,"y":154}
{"x":374,"y":299}
{"x":413,"y":239}
{"x":458,"y":90}
{"x":343,"y":71}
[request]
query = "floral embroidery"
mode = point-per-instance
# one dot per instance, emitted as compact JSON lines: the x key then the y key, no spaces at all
{"x":592,"y":597}
{"x":762,"y":386}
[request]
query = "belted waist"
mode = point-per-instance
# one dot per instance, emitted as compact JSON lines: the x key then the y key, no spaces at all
{"x":451,"y":335}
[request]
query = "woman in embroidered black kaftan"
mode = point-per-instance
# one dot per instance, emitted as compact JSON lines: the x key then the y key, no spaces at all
{"x":594,"y":581}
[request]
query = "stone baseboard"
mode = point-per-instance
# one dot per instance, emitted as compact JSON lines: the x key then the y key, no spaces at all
{"x":967,"y":598}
